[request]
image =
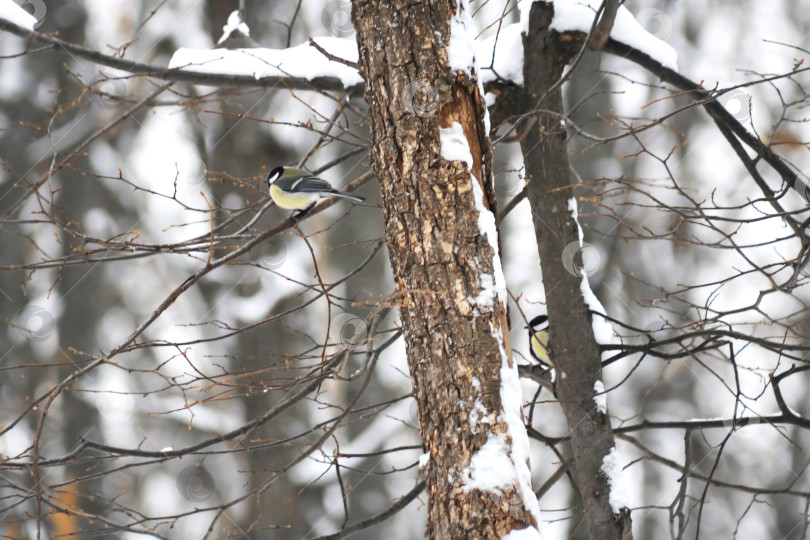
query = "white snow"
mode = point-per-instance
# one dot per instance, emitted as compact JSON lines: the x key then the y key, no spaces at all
{"x":13,"y":13}
{"x":234,"y":24}
{"x":497,"y":466}
{"x":488,"y":229}
{"x":713,"y":419}
{"x":511,"y":401}
{"x":424,"y":459}
{"x":507,"y":47}
{"x":478,"y":411}
{"x":454,"y":146}
{"x":461,"y":48}
{"x":303,"y":61}
{"x":529,"y":533}
{"x":601,"y":397}
{"x":602,"y":329}
{"x":579,"y":14}
{"x":464,"y":52}
{"x":612,"y":468}
{"x":490,"y":468}
{"x":485,"y":298}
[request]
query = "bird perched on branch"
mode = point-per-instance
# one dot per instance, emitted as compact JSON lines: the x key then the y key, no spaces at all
{"x":295,"y":189}
{"x":538,"y":340}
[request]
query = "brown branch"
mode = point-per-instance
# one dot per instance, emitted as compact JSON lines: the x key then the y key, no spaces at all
{"x":211,"y":210}
{"x":379,"y":518}
{"x":332,"y":57}
{"x":601,"y":33}
{"x":181,"y":75}
{"x":715,"y":109}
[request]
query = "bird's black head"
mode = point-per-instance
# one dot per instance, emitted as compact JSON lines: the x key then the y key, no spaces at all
{"x":275,"y":174}
{"x":538,"y":322}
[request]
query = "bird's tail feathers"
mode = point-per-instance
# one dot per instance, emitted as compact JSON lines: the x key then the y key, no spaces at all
{"x":350,"y":196}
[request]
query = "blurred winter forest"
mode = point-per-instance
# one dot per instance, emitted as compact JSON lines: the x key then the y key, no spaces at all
{"x":152,"y":386}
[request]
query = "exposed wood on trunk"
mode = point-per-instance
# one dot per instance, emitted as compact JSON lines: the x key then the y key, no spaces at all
{"x":443,"y":265}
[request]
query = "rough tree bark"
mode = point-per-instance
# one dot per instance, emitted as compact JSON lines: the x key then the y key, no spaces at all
{"x":447,"y":270}
{"x":574,"y":348}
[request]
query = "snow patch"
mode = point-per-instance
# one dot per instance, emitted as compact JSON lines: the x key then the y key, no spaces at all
{"x":302,"y":61}
{"x":454,"y":145}
{"x":485,"y":298}
{"x":490,"y":468}
{"x":478,"y":411}
{"x":488,"y":229}
{"x":601,"y":397}
{"x":235,"y":24}
{"x":507,"y":49}
{"x":424,"y":459}
{"x":14,"y":14}
{"x":464,"y":52}
{"x":612,"y":468}
{"x":579,"y":14}
{"x":461,"y":47}
{"x":496,"y":467}
{"x":602,"y":329}
{"x":511,"y":401}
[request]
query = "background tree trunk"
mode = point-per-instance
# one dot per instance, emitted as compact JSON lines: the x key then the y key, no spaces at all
{"x":574,"y":348}
{"x":446,"y":270}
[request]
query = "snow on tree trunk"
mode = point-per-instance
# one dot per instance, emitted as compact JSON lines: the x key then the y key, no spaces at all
{"x":575,"y":350}
{"x":431,"y":152}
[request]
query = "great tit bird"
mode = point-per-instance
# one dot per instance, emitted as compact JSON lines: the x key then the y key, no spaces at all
{"x":295,"y":189}
{"x":538,"y":340}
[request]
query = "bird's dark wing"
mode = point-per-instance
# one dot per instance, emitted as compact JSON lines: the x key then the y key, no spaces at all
{"x":310,"y":184}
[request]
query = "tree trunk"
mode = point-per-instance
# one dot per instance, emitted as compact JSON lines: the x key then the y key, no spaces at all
{"x":442,"y":241}
{"x":574,"y":348}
